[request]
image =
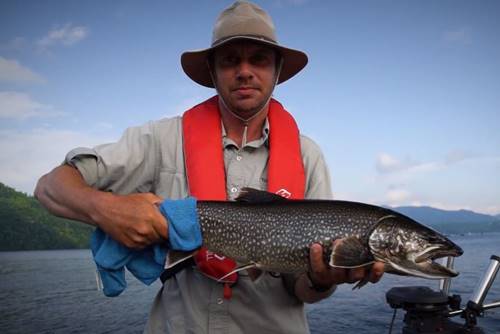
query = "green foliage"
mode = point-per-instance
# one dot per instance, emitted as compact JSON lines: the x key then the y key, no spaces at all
{"x":26,"y":225}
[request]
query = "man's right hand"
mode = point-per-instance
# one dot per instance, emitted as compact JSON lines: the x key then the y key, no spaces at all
{"x":133,"y":220}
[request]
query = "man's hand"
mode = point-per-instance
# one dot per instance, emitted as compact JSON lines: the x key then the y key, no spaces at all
{"x":323,"y":275}
{"x":133,"y":220}
{"x":326,"y":278}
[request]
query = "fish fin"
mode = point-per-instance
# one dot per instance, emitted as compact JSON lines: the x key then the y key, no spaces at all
{"x":251,"y":195}
{"x":350,"y":252}
{"x":176,"y":257}
{"x":361,"y":283}
{"x":352,"y":267}
{"x":238,"y":269}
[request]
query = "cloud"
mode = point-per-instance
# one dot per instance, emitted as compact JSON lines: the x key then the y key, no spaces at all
{"x":398,"y":195}
{"x":66,"y":35}
{"x":439,"y":183}
{"x":182,"y":105}
{"x":386,"y":164}
{"x":20,"y":106}
{"x":26,"y":155}
{"x":458,"y":36}
{"x":457,"y":156}
{"x":12,"y":71}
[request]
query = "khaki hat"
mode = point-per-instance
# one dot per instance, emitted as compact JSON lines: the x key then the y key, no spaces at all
{"x":242,"y":21}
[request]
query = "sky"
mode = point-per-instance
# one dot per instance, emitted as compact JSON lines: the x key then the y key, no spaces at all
{"x":403,"y":97}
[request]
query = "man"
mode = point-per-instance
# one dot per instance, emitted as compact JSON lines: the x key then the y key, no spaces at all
{"x":240,"y":138}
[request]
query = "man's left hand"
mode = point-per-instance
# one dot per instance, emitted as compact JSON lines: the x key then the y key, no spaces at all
{"x":322,"y":275}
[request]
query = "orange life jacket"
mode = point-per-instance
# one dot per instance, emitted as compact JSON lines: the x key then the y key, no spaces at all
{"x":204,"y":158}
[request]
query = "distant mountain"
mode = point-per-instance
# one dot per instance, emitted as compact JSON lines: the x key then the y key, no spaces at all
{"x":26,"y":225}
{"x":459,"y":221}
{"x":431,"y":215}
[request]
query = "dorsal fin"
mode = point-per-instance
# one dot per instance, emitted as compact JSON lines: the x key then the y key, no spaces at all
{"x":251,"y":195}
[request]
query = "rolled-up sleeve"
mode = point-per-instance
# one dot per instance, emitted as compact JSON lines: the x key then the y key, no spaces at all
{"x":126,"y":166}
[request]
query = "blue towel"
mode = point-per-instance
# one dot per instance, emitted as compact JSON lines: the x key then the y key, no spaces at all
{"x":184,"y":232}
{"x":146,"y":264}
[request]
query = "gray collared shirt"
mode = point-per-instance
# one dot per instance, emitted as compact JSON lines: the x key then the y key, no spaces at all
{"x":150,"y":158}
{"x":245,"y":166}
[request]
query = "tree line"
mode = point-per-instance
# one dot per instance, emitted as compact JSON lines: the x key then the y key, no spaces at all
{"x":26,"y":225}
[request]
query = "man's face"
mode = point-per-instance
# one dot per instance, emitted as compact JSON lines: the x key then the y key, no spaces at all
{"x":245,"y":73}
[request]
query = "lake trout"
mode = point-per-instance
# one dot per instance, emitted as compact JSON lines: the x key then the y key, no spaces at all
{"x":266,"y":231}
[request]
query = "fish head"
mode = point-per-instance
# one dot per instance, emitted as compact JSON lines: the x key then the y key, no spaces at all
{"x":410,"y":248}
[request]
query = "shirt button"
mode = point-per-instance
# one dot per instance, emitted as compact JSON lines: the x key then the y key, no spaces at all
{"x":239,"y":157}
{"x":234,"y":189}
{"x":220,"y":301}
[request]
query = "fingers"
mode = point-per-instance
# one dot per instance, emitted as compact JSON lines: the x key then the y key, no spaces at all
{"x":320,"y":273}
{"x":152,"y":198}
{"x":324,"y":274}
{"x":159,"y":222}
{"x":316,"y":259}
{"x":376,"y":272}
{"x":371,"y":274}
{"x":160,"y":225}
{"x":135,"y":220}
{"x":356,"y":274}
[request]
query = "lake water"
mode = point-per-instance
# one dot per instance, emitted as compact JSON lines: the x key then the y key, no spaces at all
{"x":55,"y":292}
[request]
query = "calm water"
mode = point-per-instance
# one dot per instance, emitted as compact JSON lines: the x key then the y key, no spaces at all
{"x":55,"y":292}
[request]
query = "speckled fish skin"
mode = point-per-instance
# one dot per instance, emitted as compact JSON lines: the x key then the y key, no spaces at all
{"x":277,"y":235}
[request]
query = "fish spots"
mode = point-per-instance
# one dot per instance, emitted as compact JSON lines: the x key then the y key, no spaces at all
{"x":278,"y":237}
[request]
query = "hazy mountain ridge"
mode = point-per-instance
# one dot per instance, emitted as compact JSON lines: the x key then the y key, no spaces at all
{"x":447,"y":221}
{"x":432,"y":215}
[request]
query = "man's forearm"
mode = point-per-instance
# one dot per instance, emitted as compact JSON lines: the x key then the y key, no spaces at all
{"x":64,"y":193}
{"x":133,"y":220}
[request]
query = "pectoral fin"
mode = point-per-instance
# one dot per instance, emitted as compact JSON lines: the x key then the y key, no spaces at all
{"x":240,"y":268}
{"x":360,"y":284}
{"x":350,"y":252}
{"x":176,"y":257}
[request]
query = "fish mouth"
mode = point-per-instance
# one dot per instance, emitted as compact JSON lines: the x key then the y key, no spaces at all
{"x":428,"y":260}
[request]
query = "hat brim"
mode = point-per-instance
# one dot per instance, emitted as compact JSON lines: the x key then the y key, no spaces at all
{"x":194,"y":63}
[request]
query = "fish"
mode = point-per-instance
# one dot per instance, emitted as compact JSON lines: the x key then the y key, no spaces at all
{"x":266,"y":231}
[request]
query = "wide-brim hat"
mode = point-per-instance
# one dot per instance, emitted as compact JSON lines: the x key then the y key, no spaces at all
{"x":242,"y":21}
